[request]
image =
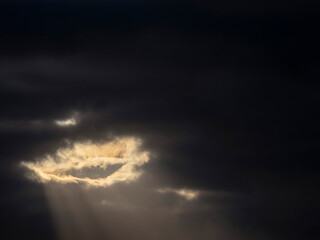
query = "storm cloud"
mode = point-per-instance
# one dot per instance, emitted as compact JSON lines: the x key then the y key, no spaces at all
{"x":221,"y":96}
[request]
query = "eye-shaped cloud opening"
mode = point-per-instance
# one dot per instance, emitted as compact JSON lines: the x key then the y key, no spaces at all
{"x":124,"y":153}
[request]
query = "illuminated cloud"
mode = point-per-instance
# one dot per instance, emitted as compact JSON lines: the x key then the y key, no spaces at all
{"x":66,"y":122}
{"x":186,"y":193}
{"x":87,"y":155}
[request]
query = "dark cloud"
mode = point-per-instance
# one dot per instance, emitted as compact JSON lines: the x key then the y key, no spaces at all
{"x":221,"y":94}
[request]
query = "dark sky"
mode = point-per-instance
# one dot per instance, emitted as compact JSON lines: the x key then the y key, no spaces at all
{"x":222,"y":95}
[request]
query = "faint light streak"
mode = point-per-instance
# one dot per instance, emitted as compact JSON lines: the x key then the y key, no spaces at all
{"x":57,"y":167}
{"x":107,"y":203}
{"x":185,"y":193}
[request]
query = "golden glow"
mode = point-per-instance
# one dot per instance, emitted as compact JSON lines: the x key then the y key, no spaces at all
{"x":186,"y":193}
{"x":57,"y":167}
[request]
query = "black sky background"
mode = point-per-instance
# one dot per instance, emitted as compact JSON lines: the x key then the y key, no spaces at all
{"x":223,"y":95}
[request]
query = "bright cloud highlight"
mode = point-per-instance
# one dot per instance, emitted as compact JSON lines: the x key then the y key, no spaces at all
{"x":66,"y":123}
{"x":185,"y":193}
